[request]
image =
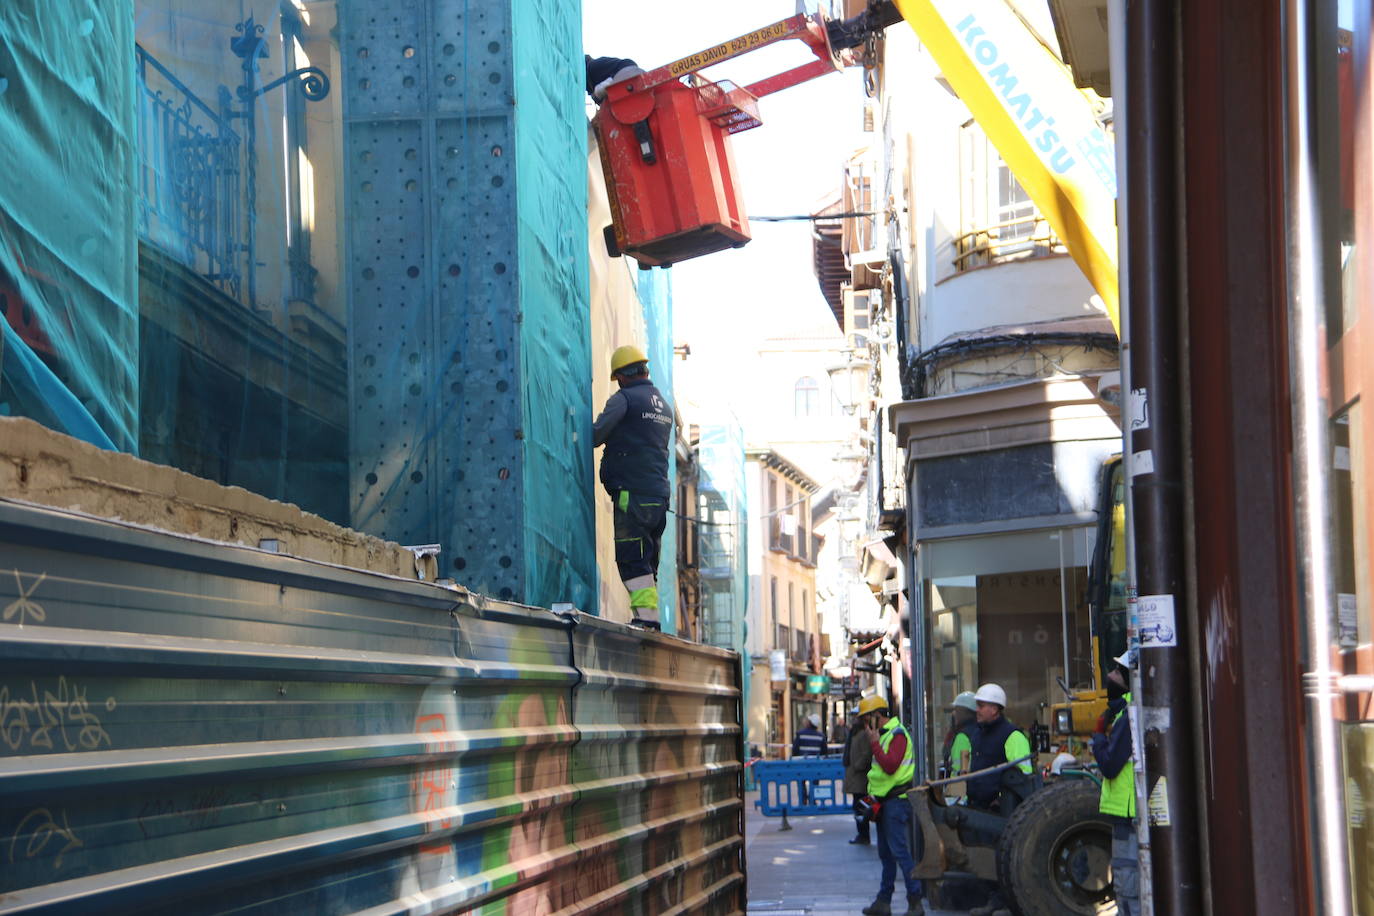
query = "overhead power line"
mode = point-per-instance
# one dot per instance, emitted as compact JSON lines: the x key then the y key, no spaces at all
{"x":813,"y":217}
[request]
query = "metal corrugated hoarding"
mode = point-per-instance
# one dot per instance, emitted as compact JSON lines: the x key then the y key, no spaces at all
{"x":190,"y":727}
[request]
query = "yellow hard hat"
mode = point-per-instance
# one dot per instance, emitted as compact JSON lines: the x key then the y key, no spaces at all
{"x":626,"y":356}
{"x":869,"y":704}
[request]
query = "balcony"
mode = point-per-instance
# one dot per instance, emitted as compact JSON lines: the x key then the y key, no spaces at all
{"x":190,"y":203}
{"x":1019,"y":239}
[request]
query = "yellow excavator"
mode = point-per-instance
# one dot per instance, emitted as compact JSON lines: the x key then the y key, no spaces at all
{"x":1072,"y":721}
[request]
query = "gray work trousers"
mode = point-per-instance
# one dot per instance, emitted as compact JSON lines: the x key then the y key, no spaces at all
{"x":1125,"y":867}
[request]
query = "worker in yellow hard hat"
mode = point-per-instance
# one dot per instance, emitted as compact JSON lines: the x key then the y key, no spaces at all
{"x":890,"y":776}
{"x":636,"y":426}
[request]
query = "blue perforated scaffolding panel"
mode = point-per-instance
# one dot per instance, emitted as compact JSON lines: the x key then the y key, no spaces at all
{"x":466,"y":199}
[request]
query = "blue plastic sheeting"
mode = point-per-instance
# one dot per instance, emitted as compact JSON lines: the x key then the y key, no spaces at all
{"x":722,"y":530}
{"x":723,"y":513}
{"x":559,"y":521}
{"x":35,"y":392}
{"x":655,"y":289}
{"x":802,"y":785}
{"x":67,"y":242}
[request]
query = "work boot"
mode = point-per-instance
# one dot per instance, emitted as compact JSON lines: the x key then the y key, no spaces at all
{"x":879,"y":907}
{"x":861,"y":841}
{"x":914,"y":905}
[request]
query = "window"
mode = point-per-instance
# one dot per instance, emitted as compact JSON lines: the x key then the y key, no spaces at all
{"x":773,"y":598}
{"x":787,"y":520}
{"x":998,"y":605}
{"x":1014,"y":205}
{"x":771,"y":507}
{"x":807,"y":397}
{"x":998,"y":220}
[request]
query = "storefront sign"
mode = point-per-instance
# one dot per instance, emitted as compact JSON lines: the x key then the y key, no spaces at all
{"x":818,"y":683}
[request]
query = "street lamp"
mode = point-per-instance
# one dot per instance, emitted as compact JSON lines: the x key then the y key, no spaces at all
{"x":849,"y":380}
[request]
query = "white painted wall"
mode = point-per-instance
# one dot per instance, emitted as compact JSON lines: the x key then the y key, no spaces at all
{"x":924,"y":120}
{"x":1036,"y":289}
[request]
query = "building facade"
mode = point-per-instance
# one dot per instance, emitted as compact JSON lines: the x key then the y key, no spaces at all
{"x":999,"y":402}
{"x":785,"y":635}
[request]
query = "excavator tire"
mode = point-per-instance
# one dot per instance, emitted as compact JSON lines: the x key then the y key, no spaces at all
{"x":1054,"y":857}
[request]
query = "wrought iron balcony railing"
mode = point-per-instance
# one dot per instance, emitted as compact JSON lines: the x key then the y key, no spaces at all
{"x":1025,"y":237}
{"x":189,"y":176}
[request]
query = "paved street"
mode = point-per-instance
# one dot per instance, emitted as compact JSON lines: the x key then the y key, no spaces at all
{"x":810,"y":870}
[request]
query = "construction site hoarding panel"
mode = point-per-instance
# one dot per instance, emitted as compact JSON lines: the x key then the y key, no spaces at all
{"x":192,"y":727}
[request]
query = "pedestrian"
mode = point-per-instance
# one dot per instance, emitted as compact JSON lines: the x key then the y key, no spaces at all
{"x":890,"y":777}
{"x":963,"y":726}
{"x":858,"y":758}
{"x":636,"y":426}
{"x":1113,"y":750}
{"x":996,"y":741}
{"x":839,"y":734}
{"x":809,"y":742}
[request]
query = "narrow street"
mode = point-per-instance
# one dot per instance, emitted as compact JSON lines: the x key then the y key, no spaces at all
{"x":456,"y":453}
{"x":810,"y":870}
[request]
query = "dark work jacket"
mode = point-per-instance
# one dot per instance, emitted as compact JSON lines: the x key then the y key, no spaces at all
{"x":602,"y":68}
{"x":808,"y":742}
{"x":989,"y":749}
{"x":636,"y":456}
{"x":1113,"y":750}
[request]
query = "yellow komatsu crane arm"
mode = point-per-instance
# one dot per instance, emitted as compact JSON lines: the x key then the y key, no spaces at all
{"x":1044,"y":127}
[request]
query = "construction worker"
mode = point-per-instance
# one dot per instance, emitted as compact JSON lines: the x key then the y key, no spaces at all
{"x":963,"y":726}
{"x":603,"y":71}
{"x":998,"y":741}
{"x":889,"y":779}
{"x":636,"y":426}
{"x":1112,"y":749}
{"x":809,"y":741}
{"x":858,"y":758}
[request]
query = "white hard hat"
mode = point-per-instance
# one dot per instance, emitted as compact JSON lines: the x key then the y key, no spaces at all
{"x":991,"y":693}
{"x":1125,"y":659}
{"x":966,"y":700}
{"x":814,"y":720}
{"x":1063,"y":760}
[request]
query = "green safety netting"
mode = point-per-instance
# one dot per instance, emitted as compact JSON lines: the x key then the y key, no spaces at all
{"x":655,"y":290}
{"x":67,"y":246}
{"x":331,"y":252}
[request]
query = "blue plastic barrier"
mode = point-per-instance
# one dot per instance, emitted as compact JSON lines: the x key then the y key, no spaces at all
{"x":803,"y":785}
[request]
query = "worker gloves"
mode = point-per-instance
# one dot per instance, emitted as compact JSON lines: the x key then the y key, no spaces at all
{"x":624,"y":73}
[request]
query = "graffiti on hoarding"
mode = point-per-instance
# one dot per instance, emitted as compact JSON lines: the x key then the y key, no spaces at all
{"x":47,"y":837}
{"x":195,"y":811}
{"x":61,"y":709}
{"x":24,"y":606}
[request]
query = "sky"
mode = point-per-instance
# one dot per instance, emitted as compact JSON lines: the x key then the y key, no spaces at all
{"x":725,"y":303}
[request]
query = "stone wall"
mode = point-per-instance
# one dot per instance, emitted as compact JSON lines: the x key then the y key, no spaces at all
{"x":40,"y":466}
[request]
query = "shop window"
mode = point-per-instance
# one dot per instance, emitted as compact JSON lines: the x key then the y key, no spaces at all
{"x":997,"y":608}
